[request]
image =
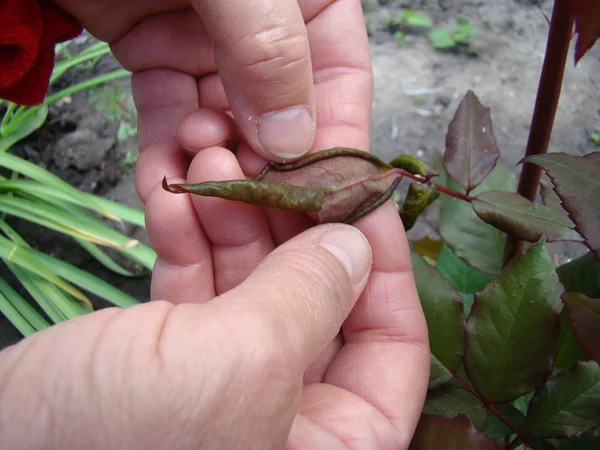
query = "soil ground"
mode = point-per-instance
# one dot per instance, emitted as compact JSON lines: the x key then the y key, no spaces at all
{"x":417,"y":90}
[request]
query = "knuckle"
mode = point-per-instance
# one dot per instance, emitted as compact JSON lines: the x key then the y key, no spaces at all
{"x":271,"y":54}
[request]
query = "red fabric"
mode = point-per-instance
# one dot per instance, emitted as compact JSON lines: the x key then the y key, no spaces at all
{"x":29,"y":30}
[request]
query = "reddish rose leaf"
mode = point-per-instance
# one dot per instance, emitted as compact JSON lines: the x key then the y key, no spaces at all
{"x":576,"y":180}
{"x":336,"y":185}
{"x":436,"y":432}
{"x":585,"y":321}
{"x":471,"y":147}
{"x":549,"y":197}
{"x":587,"y":25}
{"x":513,"y":214}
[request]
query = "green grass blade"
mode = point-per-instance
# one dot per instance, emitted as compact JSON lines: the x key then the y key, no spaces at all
{"x":15,"y":317}
{"x":11,"y":135}
{"x":104,"y":259}
{"x":86,"y":280}
{"x":123,"y":212}
{"x":19,"y":117}
{"x":78,"y":277}
{"x":77,"y":223}
{"x":34,"y":172}
{"x":106,"y":207}
{"x":93,"y":51}
{"x":56,"y":303}
{"x":34,"y":318}
{"x":51,"y":310}
{"x":21,"y":256}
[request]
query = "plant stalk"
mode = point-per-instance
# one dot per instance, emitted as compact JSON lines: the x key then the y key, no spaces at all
{"x":548,"y":94}
{"x":491,"y":408}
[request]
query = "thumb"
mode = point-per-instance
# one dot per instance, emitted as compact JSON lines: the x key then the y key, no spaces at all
{"x":263,"y":58}
{"x":303,"y":291}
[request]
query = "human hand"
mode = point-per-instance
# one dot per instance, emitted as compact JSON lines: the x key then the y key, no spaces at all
{"x":270,"y":56}
{"x":259,"y":366}
{"x":368,"y":383}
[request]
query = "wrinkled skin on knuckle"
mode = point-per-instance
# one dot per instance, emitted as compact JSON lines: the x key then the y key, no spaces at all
{"x":270,"y":55}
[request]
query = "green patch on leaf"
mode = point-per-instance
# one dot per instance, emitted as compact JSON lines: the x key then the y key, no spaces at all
{"x":523,"y":219}
{"x":445,"y":320}
{"x":466,"y":279}
{"x":513,"y":328}
{"x":567,"y":404}
{"x":471,"y":239}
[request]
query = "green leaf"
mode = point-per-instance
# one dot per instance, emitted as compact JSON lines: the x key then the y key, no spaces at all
{"x":471,"y":146}
{"x":450,"y":401}
{"x":444,"y":314}
{"x":34,"y":172}
{"x":595,"y":137}
{"x":441,"y":38}
{"x":471,"y":239}
{"x":496,"y":428}
{"x":436,"y":432}
{"x":24,"y":309}
{"x":33,"y":123}
{"x":585,"y":321}
{"x":439,"y":374}
{"x":569,"y":351}
{"x":465,"y":31}
{"x":581,"y":275}
{"x":463,"y":277}
{"x":513,"y":328}
{"x":568,"y":404}
{"x":15,"y":316}
{"x":576,"y":180}
{"x":416,"y":19}
{"x":400,"y":37}
{"x":525,"y":220}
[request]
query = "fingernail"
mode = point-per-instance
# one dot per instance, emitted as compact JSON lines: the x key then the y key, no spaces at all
{"x":351,"y":248}
{"x":287,"y":133}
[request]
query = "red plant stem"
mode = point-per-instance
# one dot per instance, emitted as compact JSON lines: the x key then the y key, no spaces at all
{"x":453,"y":193}
{"x":553,"y":69}
{"x":491,"y":408}
{"x":440,"y":188}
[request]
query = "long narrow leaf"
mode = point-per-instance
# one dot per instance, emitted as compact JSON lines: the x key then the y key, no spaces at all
{"x":37,"y":173}
{"x":56,"y":303}
{"x":34,"y":318}
{"x":103,"y":258}
{"x":21,"y":256}
{"x":93,"y":51}
{"x":86,"y":84}
{"x":86,"y":280}
{"x":15,"y":316}
{"x":78,"y":277}
{"x":109,"y":208}
{"x":10,"y":135}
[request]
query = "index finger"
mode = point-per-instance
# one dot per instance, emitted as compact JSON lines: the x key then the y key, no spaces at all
{"x":386,"y":356}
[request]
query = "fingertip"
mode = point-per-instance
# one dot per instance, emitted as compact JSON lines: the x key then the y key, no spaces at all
{"x":205,"y":128}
